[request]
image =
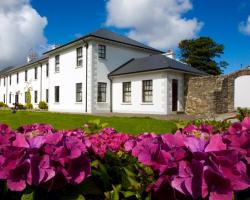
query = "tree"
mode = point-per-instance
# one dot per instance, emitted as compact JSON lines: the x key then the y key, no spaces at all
{"x":201,"y":54}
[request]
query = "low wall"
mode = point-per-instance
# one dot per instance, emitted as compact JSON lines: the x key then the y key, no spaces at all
{"x":210,"y":95}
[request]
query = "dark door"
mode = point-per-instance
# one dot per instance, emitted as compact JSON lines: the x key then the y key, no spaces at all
{"x":16,"y":98}
{"x":174,"y":95}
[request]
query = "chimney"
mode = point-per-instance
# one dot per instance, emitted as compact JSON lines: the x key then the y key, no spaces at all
{"x":170,"y":54}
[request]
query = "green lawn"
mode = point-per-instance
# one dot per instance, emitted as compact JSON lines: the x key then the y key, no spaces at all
{"x":132,"y":125}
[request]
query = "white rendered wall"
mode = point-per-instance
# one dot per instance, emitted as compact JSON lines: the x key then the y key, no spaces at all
{"x":116,"y":55}
{"x":159,"y":104}
{"x":242,"y":92}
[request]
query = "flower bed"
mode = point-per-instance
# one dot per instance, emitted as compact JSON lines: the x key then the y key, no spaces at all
{"x":194,"y":163}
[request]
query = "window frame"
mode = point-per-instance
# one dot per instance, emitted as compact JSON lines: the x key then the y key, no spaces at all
{"x":26,"y":75}
{"x":102,"y":51}
{"x":47,"y":70}
{"x":78,"y":92}
{"x":17,"y":77}
{"x":147,"y":91}
{"x":47,"y":96}
{"x":35,"y":96}
{"x":126,"y":92}
{"x":57,"y":63}
{"x":100,"y":98}
{"x":35,"y":71}
{"x":57,"y":95}
{"x":79,"y":57}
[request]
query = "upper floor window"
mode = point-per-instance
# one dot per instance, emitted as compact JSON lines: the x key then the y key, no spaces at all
{"x":57,"y":94}
{"x":102,"y":90}
{"x":35,"y":73}
{"x":126,"y":92}
{"x":79,"y":57}
{"x":57,"y":63}
{"x":10,"y":79}
{"x":47,"y":69}
{"x":4,"y":81}
{"x":102,"y":51}
{"x":79,"y":92}
{"x":17,"y":78}
{"x":147,"y":91}
{"x":26,"y":75}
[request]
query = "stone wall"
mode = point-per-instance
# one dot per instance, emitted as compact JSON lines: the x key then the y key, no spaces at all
{"x":210,"y":95}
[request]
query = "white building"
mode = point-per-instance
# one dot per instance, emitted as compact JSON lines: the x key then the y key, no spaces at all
{"x":100,"y":72}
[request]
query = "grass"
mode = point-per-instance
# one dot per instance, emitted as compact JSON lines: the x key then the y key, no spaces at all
{"x":132,"y":125}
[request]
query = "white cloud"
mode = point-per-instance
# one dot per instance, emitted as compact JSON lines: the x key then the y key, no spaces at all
{"x":21,"y":28}
{"x":244,"y":27}
{"x":159,"y":23}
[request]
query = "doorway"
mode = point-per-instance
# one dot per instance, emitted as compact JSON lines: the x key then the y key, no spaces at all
{"x":174,"y":95}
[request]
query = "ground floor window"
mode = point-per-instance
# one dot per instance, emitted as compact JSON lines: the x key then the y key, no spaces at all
{"x":126,"y":86}
{"x":78,"y":92}
{"x":4,"y":98}
{"x":35,"y":94}
{"x":47,"y":96}
{"x":10,"y":98}
{"x":101,"y":92}
{"x":57,"y":94}
{"x":147,"y":91}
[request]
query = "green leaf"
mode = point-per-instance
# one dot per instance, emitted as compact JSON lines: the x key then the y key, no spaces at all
{"x":128,"y":194}
{"x":28,"y":196}
{"x":80,"y":197}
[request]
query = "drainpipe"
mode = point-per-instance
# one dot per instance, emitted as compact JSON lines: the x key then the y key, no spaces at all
{"x":41,"y":83}
{"x":86,"y":45}
{"x":111,"y":94}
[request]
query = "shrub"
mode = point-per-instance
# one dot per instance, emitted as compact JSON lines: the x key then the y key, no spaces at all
{"x":28,"y":106}
{"x":20,"y":106}
{"x":243,"y":113}
{"x":43,"y":105}
{"x":3,"y":105}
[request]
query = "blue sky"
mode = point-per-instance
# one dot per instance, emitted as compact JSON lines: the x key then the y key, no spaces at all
{"x":61,"y":21}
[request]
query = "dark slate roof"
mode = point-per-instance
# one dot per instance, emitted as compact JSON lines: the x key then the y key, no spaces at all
{"x":153,"y":63}
{"x":110,"y":36}
{"x":10,"y":69}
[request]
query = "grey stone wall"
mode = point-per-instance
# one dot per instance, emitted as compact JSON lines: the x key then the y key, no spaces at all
{"x":210,"y":95}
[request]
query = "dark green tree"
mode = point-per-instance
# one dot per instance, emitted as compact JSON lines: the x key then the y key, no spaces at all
{"x":201,"y":54}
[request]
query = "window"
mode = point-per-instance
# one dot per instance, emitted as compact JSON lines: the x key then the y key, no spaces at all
{"x":126,"y":92}
{"x":79,"y":92}
{"x":102,"y":87}
{"x":10,"y":79}
{"x":147,"y":91}
{"x":47,"y":69}
{"x":79,"y":57}
{"x":47,"y":96}
{"x":10,"y":98}
{"x":57,"y":63}
{"x":35,"y":73}
{"x":4,"y":98}
{"x":25,"y":97}
{"x":35,"y":94}
{"x":26,"y":75}
{"x":57,"y":94}
{"x":4,"y":81}
{"x":17,"y":78}
{"x":102,"y":51}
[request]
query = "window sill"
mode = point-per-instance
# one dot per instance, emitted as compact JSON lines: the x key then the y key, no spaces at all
{"x":56,"y":103}
{"x":77,"y":67}
{"x":126,"y":103}
{"x":102,"y":102}
{"x":57,"y":72}
{"x":145,"y":103}
{"x":78,"y":103}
